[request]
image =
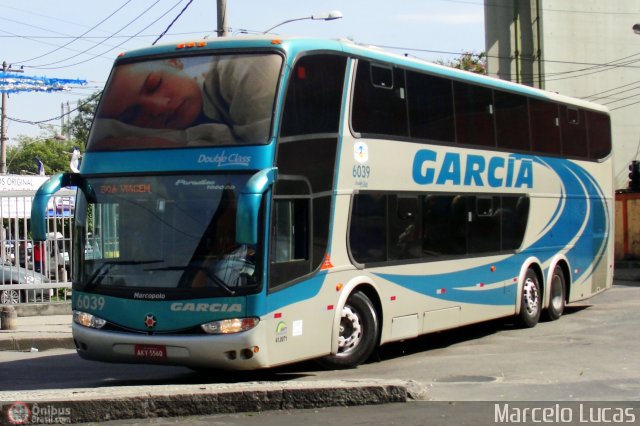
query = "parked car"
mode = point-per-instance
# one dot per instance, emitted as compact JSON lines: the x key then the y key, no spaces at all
{"x":16,"y":275}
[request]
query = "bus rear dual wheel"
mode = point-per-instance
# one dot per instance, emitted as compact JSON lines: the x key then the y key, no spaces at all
{"x":358,"y":335}
{"x":531,"y":298}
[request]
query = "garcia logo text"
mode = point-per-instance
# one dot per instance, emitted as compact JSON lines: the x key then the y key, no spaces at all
{"x":471,"y":170}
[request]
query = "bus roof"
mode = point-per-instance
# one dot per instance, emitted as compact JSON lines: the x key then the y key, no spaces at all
{"x":293,"y":46}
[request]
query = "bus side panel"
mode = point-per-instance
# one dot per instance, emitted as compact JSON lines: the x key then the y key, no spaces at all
{"x":299,"y":320}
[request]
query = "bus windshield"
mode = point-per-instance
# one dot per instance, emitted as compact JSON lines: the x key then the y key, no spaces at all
{"x":163,"y":233}
{"x":187,"y":101}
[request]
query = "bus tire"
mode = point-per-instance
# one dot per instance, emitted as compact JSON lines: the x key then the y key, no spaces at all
{"x":530,"y":300}
{"x":358,"y":333}
{"x":556,"y":295}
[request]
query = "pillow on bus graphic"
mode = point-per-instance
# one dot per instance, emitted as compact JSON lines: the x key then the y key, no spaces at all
{"x":111,"y":134}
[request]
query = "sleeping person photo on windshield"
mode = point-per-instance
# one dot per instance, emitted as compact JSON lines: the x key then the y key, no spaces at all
{"x":222,"y":100}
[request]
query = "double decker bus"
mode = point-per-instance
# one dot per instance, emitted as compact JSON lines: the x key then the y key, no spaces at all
{"x":250,"y":202}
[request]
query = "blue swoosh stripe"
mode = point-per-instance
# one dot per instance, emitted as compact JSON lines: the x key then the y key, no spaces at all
{"x":581,"y":189}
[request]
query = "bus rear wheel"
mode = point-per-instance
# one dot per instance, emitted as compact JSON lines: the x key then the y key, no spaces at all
{"x":556,"y":295}
{"x":530,"y":300}
{"x":358,"y":333}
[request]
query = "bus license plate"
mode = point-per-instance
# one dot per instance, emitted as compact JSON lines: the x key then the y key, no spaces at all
{"x":150,"y":351}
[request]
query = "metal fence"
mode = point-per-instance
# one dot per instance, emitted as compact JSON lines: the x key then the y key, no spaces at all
{"x":35,"y":272}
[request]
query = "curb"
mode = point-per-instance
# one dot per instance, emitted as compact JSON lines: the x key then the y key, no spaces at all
{"x":42,"y":309}
{"x":139,"y":402}
{"x":39,"y":343}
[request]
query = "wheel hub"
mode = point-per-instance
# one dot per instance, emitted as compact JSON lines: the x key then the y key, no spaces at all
{"x":556,"y":295}
{"x":350,"y":331}
{"x":531,"y":297}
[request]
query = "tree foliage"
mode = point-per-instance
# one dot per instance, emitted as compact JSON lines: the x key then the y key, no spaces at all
{"x":54,"y":153}
{"x":469,"y":61}
{"x":80,"y":124}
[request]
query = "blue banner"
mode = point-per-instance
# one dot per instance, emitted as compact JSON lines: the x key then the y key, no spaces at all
{"x":11,"y":82}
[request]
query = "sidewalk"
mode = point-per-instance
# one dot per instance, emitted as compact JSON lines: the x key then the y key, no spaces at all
{"x":38,"y":333}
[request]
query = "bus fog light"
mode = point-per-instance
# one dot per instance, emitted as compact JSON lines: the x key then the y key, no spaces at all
{"x":88,"y":320}
{"x":229,"y":326}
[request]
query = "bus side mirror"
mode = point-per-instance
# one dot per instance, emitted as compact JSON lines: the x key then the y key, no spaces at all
{"x":41,"y":200}
{"x":249,"y":205}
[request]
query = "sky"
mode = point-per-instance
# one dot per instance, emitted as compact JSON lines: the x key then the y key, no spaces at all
{"x":74,"y":39}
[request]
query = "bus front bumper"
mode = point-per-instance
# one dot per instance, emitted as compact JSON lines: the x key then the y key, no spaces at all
{"x":239,"y":351}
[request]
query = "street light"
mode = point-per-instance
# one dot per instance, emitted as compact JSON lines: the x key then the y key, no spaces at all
{"x":324,"y":16}
{"x":636,"y":28}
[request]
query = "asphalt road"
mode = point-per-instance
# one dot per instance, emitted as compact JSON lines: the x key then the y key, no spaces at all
{"x":590,"y":354}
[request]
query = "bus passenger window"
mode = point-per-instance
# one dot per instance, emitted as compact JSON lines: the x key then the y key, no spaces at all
{"x":368,"y":228}
{"x":484,"y":224}
{"x":515,"y":214}
{"x":574,"y":132}
{"x":599,"y":135}
{"x":377,"y":109}
{"x":290,"y":241}
{"x":474,"y":114}
{"x":290,"y":231}
{"x":512,"y":121}
{"x":545,"y":130}
{"x":430,"y":102}
{"x":444,"y":225}
{"x":404,"y":228}
{"x":314,"y":96}
{"x":382,"y":76}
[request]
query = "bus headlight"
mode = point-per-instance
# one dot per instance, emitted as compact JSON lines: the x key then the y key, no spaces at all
{"x":88,"y":320}
{"x":229,"y":326}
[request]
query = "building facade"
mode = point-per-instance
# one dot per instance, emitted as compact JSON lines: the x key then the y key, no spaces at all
{"x":581,"y":48}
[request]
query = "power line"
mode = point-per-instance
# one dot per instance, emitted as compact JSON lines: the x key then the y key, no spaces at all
{"x":42,"y":66}
{"x":79,"y":37}
{"x":48,"y":44}
{"x":609,"y":90}
{"x":593,"y":64}
{"x":547,"y":77}
{"x":172,"y":22}
{"x":611,"y":95}
{"x":80,"y":105}
{"x":35,"y":37}
{"x":128,"y":39}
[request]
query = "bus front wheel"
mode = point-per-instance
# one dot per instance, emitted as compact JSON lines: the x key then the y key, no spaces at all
{"x":530,"y":300}
{"x":358,"y":333}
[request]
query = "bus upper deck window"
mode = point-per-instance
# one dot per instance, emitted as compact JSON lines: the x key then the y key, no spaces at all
{"x":382,"y":76}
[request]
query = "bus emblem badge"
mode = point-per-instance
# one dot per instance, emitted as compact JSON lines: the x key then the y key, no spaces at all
{"x":150,"y":321}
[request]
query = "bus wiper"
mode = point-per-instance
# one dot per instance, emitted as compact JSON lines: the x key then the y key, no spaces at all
{"x":217,"y":280}
{"x":96,"y":278}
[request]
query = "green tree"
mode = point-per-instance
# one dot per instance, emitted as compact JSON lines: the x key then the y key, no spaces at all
{"x":80,"y":124}
{"x":54,"y":153}
{"x":468,"y":61}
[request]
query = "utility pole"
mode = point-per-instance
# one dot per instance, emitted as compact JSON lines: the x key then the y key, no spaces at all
{"x":3,"y":129}
{"x":222,"y":18}
{"x":61,"y":117}
{"x":3,"y":123}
